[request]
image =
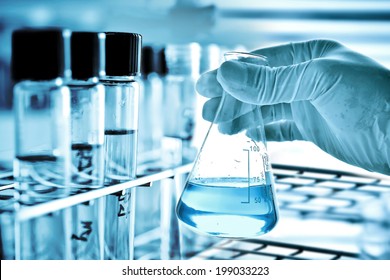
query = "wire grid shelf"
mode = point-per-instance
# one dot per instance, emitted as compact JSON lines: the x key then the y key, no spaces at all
{"x":326,"y":194}
{"x":258,"y":249}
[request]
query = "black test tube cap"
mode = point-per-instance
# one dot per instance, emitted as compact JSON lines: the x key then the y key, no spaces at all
{"x":123,"y":54}
{"x":153,"y":60}
{"x":161,"y":68}
{"x":85,"y":55}
{"x":148,"y":60}
{"x":37,"y":54}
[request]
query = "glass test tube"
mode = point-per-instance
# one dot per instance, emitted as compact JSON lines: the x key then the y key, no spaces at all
{"x":150,"y":113}
{"x":87,"y":130}
{"x":121,"y":131}
{"x":42,"y":138}
{"x":180,"y":102}
{"x":148,"y":206}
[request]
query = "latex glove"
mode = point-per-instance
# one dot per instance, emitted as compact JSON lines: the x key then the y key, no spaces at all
{"x":319,"y":91}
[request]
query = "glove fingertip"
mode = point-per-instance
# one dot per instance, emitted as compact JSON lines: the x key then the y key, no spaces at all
{"x":237,"y":79}
{"x":232,"y":72}
{"x":208,"y":86}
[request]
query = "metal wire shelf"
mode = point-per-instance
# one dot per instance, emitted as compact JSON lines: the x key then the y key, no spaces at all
{"x":258,"y":249}
{"x":328,"y":194}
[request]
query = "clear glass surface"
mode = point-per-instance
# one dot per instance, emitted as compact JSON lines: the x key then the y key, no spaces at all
{"x":179,"y":103}
{"x":121,"y":137}
{"x":42,"y":140}
{"x":87,"y":130}
{"x":121,"y":129}
{"x":230,"y":192}
{"x":87,"y":136}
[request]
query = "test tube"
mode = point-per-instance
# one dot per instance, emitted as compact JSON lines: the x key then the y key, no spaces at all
{"x":147,"y":229}
{"x":150,"y":120}
{"x":42,"y":138}
{"x":87,"y":137}
{"x":122,"y":88}
{"x":183,"y":62}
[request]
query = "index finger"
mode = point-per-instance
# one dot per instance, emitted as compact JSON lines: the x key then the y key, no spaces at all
{"x":208,"y":86}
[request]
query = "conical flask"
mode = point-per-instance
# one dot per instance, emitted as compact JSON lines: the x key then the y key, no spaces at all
{"x":230,"y":192}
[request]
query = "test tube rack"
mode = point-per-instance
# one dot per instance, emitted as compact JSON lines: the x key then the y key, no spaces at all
{"x":301,"y":191}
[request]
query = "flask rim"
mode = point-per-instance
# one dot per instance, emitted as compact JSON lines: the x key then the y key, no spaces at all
{"x":245,"y":54}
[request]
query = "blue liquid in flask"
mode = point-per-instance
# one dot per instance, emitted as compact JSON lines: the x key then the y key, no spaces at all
{"x":227,"y":207}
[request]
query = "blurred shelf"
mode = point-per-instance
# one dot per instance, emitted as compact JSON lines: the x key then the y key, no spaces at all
{"x":258,"y":249}
{"x":326,"y":194}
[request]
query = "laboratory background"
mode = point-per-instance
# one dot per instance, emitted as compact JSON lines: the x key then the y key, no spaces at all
{"x":126,"y":167}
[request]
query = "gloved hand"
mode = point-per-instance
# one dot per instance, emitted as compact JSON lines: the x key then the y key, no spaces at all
{"x":319,"y":91}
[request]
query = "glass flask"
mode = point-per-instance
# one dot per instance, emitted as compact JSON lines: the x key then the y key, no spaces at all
{"x":230,"y":192}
